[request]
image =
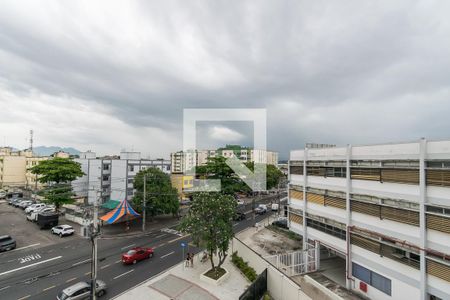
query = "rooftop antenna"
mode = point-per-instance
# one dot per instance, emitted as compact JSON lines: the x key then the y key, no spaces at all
{"x":31,"y":140}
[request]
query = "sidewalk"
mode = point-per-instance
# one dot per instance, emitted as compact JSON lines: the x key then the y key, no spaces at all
{"x":183,"y":283}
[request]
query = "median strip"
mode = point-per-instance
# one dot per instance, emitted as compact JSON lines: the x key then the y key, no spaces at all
{"x":29,"y":266}
{"x":123,"y":274}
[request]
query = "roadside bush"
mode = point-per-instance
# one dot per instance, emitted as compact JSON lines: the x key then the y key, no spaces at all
{"x":242,"y":265}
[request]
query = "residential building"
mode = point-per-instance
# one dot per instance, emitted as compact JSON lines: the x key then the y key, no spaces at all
{"x":385,"y":209}
{"x":185,"y":161}
{"x":112,"y":177}
{"x":14,"y":168}
{"x":61,"y":154}
{"x":183,"y":184}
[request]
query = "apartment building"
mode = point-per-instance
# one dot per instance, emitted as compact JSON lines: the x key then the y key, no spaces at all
{"x":14,"y":168}
{"x":112,"y":178}
{"x":384,"y":208}
{"x":185,"y":161}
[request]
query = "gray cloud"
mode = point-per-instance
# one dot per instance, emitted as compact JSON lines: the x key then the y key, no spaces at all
{"x":347,"y":72}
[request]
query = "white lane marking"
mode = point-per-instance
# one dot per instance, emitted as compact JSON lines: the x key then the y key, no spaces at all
{"x":123,"y":274}
{"x":81,"y":262}
{"x":168,"y":254}
{"x":235,"y":224}
{"x":104,"y":267}
{"x":25,"y":247}
{"x":28,"y":258}
{"x":49,"y":288}
{"x":26,"y":297}
{"x":87,"y":273}
{"x":32,"y":265}
{"x":118,"y":261}
{"x":5,"y":287}
{"x":161,"y":235}
{"x":71,"y":279}
{"x":129,"y":246}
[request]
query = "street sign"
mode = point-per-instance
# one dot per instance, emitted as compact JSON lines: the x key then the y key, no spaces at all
{"x":183,"y":245}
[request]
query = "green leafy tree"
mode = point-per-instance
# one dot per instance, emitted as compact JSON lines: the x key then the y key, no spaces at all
{"x":217,"y":168}
{"x":209,"y":221}
{"x":161,"y":197}
{"x":57,"y":173}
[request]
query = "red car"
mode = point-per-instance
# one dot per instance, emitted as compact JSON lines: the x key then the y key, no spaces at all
{"x":136,"y":254}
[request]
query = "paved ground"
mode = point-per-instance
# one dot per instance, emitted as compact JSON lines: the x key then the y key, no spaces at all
{"x":41,"y":272}
{"x":183,"y":283}
{"x":13,"y":222}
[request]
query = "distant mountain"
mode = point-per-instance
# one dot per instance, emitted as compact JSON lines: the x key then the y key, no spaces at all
{"x":47,"y":151}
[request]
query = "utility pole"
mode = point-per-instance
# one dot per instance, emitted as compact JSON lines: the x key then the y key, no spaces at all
{"x":94,"y":233}
{"x":145,"y":202}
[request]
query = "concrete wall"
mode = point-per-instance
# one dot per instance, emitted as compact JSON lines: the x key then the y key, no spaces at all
{"x":279,"y":285}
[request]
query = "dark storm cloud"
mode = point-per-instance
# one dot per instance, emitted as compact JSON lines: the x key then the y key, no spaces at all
{"x":339,"y":72}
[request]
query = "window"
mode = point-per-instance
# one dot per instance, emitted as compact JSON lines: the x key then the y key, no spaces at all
{"x":372,"y":278}
{"x":131,"y":168}
{"x":105,"y":177}
{"x":106,"y":167}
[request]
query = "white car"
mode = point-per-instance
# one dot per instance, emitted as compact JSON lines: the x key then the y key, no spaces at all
{"x":33,"y":216}
{"x":63,"y":230}
{"x":24,"y":204}
{"x":34,"y":207}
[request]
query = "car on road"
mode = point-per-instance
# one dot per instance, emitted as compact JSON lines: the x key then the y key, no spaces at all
{"x":7,"y":243}
{"x":136,"y":254}
{"x":239,"y":216}
{"x":261,"y":209}
{"x":82,"y":290}
{"x":275,"y":207}
{"x":34,"y":207}
{"x":62,"y":230}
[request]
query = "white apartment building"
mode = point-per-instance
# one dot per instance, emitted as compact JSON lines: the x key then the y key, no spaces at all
{"x":385,"y":209}
{"x":185,"y":161}
{"x":112,"y":178}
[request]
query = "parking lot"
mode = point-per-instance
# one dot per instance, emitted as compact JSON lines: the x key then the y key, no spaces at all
{"x":13,"y":222}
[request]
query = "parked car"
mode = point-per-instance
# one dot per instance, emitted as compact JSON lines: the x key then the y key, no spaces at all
{"x":62,"y":230}
{"x":82,"y":290}
{"x":136,"y":254}
{"x":2,"y":194}
{"x":275,"y":207}
{"x":12,"y":201}
{"x":239,"y":216}
{"x":16,"y":201}
{"x":7,"y":243}
{"x":261,"y":209}
{"x":34,"y":207}
{"x":185,"y":202}
{"x":14,"y":195}
{"x":24,"y":204}
{"x":47,"y":219}
{"x":33,"y":216}
{"x":282,"y":223}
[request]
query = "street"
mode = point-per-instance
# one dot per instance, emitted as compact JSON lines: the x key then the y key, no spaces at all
{"x":40,"y":273}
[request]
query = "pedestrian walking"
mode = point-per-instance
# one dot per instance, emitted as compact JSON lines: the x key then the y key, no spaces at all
{"x":188,"y":257}
{"x":192,"y":259}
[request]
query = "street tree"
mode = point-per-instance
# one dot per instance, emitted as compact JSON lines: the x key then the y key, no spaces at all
{"x":217,"y":168}
{"x":161,"y":197}
{"x":209,"y":221}
{"x":57,"y":174}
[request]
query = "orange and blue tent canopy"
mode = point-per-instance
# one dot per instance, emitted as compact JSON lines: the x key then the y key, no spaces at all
{"x":124,"y":209}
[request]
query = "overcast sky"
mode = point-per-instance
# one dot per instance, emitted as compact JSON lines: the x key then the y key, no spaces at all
{"x":112,"y":75}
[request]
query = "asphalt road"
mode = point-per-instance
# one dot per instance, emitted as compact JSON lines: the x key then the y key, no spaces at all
{"x":40,"y":273}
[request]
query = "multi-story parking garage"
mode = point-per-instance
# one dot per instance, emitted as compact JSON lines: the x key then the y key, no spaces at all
{"x":384,"y":208}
